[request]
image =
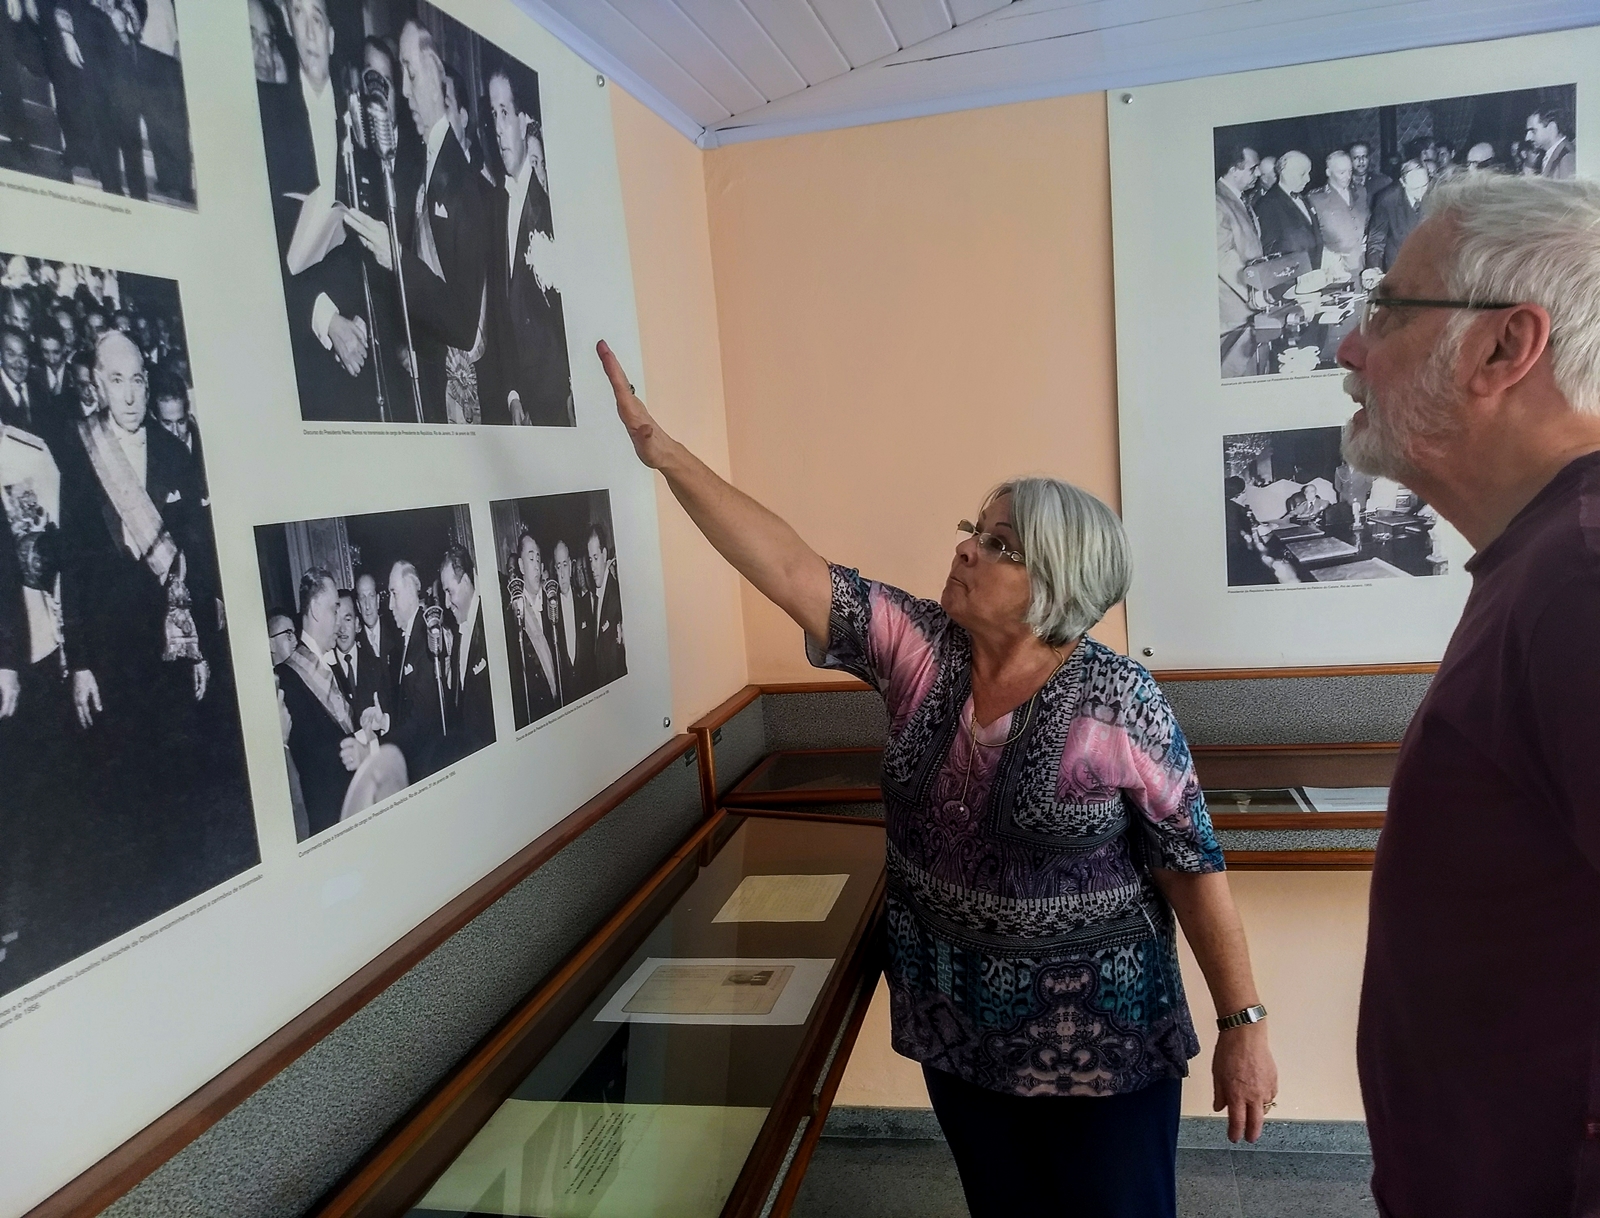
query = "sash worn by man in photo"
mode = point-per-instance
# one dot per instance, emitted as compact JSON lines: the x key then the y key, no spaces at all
{"x":460,"y":367}
{"x":30,"y":495}
{"x":318,"y":678}
{"x":144,"y":533}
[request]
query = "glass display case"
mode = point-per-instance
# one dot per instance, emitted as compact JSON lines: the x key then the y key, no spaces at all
{"x":674,"y":1066}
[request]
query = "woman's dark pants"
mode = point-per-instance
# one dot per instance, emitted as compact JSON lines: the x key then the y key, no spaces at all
{"x":1063,"y":1156}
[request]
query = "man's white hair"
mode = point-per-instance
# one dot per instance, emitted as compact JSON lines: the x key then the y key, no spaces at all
{"x":1078,"y":559}
{"x":1534,"y":240}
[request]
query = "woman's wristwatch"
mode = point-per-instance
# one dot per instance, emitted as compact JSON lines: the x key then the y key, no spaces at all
{"x":1238,"y":1019}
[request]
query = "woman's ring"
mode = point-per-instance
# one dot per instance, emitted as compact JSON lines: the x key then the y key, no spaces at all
{"x":631,"y":388}
{"x":1269,"y":1106}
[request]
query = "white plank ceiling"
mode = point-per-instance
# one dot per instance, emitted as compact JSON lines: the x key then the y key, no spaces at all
{"x":727,"y":70}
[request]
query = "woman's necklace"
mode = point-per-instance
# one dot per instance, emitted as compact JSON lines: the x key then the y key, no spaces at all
{"x":972,"y":730}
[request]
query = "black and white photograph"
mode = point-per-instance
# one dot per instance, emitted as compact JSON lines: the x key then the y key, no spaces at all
{"x":421,"y":273}
{"x":1311,"y":211}
{"x":91,"y":92}
{"x":562,"y":599}
{"x":376,"y":633}
{"x":1297,"y":513}
{"x":123,"y":789}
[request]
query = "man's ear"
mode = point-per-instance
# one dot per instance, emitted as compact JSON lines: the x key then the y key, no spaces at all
{"x":1510,"y":347}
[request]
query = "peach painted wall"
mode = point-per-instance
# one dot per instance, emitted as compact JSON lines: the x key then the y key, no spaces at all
{"x":911,"y":312}
{"x":664,"y":199}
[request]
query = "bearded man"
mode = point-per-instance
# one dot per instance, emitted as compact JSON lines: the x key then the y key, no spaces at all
{"x":1477,"y":368}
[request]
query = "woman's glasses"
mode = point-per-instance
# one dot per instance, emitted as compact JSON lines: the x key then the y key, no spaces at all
{"x":990,"y":546}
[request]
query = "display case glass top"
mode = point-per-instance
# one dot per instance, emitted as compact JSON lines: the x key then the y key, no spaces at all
{"x":802,"y":776}
{"x":655,"y":1097}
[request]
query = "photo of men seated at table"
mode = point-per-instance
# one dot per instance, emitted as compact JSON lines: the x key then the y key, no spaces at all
{"x":1312,"y":210}
{"x":1296,"y":513}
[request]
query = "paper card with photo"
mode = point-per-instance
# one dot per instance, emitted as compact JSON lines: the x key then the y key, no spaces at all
{"x":562,"y":599}
{"x":1311,"y":210}
{"x":421,"y":270}
{"x":123,"y":787}
{"x":375,"y":628}
{"x":92,"y":93}
{"x":1296,"y":512}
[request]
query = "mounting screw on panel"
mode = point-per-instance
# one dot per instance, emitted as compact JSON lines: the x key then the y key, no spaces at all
{"x":1149,"y":651}
{"x":666,"y":720}
{"x":600,"y":81}
{"x":1127,"y":99}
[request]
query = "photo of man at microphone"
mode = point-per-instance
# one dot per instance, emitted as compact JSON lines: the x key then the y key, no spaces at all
{"x":382,"y":668}
{"x":561,"y":599}
{"x":411,"y":198}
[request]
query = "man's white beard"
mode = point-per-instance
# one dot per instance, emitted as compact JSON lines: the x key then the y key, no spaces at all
{"x":1394,"y":433}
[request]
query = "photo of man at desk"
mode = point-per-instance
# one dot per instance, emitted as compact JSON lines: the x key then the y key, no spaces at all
{"x":1296,"y":513}
{"x":1312,"y":210}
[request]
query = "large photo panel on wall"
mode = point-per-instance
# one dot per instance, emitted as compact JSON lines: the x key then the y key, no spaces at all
{"x":221,"y":799}
{"x":123,"y":790}
{"x":1312,"y":209}
{"x":1253,"y":217}
{"x":412,"y":201}
{"x":92,"y":94}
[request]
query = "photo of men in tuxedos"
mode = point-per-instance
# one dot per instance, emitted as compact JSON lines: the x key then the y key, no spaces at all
{"x":322,"y":735}
{"x":388,"y":681}
{"x":471,"y":707}
{"x":530,"y":381}
{"x":413,"y":206}
{"x":1299,"y":250}
{"x":92,"y":93}
{"x":605,"y":638}
{"x":123,"y":790}
{"x":563,"y":613}
{"x":378,"y":631}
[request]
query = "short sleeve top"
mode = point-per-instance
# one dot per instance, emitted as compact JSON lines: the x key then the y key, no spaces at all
{"x":1029,"y":951}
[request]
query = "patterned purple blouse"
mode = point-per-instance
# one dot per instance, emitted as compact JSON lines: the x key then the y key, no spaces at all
{"x":1028,"y":950}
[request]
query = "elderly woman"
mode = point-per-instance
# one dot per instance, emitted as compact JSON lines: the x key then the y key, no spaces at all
{"x":1044,"y":823}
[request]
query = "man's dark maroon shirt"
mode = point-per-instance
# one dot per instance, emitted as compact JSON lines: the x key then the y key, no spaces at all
{"x":1480,"y":1010}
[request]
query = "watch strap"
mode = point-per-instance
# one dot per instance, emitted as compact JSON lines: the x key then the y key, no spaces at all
{"x":1238,"y":1019}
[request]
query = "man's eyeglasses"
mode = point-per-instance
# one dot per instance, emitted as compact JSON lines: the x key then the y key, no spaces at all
{"x":1373,"y":311}
{"x":990,"y":546}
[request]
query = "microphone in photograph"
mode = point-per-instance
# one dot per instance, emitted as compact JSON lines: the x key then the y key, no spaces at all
{"x":355,"y":130}
{"x":433,"y":619}
{"x":386,"y":139}
{"x":517,"y":588}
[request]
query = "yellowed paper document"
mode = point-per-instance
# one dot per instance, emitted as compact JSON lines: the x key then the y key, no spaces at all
{"x":783,"y":898}
{"x":710,"y":989}
{"x":595,"y":1160}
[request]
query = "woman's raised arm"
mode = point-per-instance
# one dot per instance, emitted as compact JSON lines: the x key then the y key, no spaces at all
{"x":760,"y":545}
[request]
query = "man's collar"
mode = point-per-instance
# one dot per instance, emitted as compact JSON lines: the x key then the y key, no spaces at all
{"x":518,"y":186}
{"x":437,"y":135}
{"x":310,"y":644}
{"x":310,"y":89}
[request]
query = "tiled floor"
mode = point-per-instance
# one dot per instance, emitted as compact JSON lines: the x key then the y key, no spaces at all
{"x":905,"y":1178}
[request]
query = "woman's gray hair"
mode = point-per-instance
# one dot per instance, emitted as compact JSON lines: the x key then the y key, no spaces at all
{"x":1535,"y":240}
{"x":1077,"y":555}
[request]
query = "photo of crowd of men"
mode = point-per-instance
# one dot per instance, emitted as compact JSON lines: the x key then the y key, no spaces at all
{"x":1296,"y":513}
{"x":412,"y":204}
{"x":375,"y":628}
{"x":123,"y":789}
{"x":91,"y":91}
{"x":1311,"y":211}
{"x":562,"y":599}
